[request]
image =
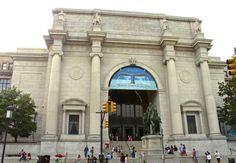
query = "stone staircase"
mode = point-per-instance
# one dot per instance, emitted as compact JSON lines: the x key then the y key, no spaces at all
{"x":169,"y":159}
{"x":126,"y":146}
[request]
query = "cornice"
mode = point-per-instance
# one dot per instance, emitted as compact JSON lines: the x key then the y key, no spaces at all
{"x":215,"y":64}
{"x":125,"y":14}
{"x":57,"y":34}
{"x":96,"y":35}
{"x":202,"y":42}
{"x":30,"y":57}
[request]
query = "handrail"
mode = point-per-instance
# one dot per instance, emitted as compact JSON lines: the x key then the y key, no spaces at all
{"x":128,"y":146}
{"x":231,"y":149}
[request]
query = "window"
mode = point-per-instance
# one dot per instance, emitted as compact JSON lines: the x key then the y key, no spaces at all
{"x":127,"y":110}
{"x":10,"y":66}
{"x":4,"y":66}
{"x":139,"y":111}
{"x":192,"y":117}
{"x":4,"y":84}
{"x":192,"y":127}
{"x":73,"y":127}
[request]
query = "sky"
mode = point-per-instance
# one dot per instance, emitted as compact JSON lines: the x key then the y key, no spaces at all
{"x":24,"y":22}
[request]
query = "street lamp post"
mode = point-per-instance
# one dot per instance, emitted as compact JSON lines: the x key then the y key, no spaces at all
{"x":162,"y":143}
{"x":8,"y":115}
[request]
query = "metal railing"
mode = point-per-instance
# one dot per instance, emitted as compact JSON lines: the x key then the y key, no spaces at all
{"x":232,"y":150}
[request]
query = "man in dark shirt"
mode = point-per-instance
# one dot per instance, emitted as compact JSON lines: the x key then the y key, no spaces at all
{"x":122,"y":158}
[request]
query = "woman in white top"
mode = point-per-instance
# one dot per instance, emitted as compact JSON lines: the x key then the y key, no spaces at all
{"x":208,"y":157}
{"x":126,"y":158}
{"x":218,"y":157}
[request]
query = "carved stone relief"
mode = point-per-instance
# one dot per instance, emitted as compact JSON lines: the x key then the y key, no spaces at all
{"x":76,"y":73}
{"x":185,"y":76}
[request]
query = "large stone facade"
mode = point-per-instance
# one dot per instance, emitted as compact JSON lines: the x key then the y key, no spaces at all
{"x":87,"y":47}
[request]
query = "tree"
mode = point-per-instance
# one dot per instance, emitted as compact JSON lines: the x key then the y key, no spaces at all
{"x":21,"y":123}
{"x":227,"y":113}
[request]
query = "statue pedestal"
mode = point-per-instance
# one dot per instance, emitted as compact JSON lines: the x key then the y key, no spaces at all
{"x":152,"y":149}
{"x":152,"y":145}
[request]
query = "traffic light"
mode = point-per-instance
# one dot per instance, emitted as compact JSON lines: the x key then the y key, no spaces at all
{"x":231,"y":65}
{"x":105,"y":106}
{"x":113,"y":106}
{"x":106,"y":125}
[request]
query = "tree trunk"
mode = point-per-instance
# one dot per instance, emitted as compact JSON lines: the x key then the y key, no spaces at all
{"x":15,"y":138}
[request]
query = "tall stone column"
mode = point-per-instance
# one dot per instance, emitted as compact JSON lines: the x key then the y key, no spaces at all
{"x":96,"y":37}
{"x":169,"y":60}
{"x":53,"y":94}
{"x":55,"y":41}
{"x":94,"y":128}
{"x":202,"y":60}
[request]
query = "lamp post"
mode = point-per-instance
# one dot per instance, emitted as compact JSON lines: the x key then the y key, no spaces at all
{"x":162,"y":143}
{"x":8,"y":115}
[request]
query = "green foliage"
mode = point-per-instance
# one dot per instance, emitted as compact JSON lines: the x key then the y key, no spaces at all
{"x":21,"y":123}
{"x":227,"y":113}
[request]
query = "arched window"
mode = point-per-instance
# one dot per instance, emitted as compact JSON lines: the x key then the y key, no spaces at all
{"x":132,"y":78}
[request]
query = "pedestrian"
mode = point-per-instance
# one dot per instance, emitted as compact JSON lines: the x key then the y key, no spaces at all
{"x":133,"y":151}
{"x":218,"y":156}
{"x":29,"y":156}
{"x":89,"y":159}
{"x":126,"y":158}
{"x":194,"y":153}
{"x":86,"y":151}
{"x":92,"y":151}
{"x":122,"y":158}
{"x":208,"y":157}
{"x":78,"y":160}
{"x":22,"y":155}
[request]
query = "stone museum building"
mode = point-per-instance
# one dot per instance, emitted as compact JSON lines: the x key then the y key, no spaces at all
{"x":130,"y":58}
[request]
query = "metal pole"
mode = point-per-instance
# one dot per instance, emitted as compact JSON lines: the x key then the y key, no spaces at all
{"x":101,"y":128}
{"x":163,"y":148}
{"x":4,"y":145}
{"x":102,"y":115}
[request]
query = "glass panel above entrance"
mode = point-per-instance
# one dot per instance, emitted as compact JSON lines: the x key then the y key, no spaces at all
{"x":132,"y":78}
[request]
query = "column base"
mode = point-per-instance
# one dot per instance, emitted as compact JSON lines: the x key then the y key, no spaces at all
{"x":94,"y":137}
{"x":50,"y":137}
{"x":49,"y":145}
{"x":217,"y":136}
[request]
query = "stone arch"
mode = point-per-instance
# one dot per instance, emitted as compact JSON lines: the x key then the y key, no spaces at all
{"x":116,"y":68}
{"x":191,"y":103}
{"x":74,"y":101}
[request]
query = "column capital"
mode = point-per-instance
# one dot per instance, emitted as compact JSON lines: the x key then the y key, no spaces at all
{"x":200,"y":60}
{"x":169,"y":51}
{"x":168,"y":40}
{"x":168,"y":58}
{"x":96,"y":54}
{"x":60,"y":53}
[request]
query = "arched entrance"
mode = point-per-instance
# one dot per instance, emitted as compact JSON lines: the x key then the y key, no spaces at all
{"x":132,"y":88}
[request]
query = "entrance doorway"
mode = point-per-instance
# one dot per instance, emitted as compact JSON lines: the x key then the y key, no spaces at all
{"x":127,"y":121}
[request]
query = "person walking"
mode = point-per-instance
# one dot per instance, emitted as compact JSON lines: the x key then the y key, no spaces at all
{"x":194,"y":154}
{"x":22,"y":155}
{"x":126,"y":158}
{"x":86,"y":151}
{"x":208,"y":157}
{"x":78,"y":160}
{"x":122,"y":158}
{"x":218,"y":156}
{"x":92,"y":151}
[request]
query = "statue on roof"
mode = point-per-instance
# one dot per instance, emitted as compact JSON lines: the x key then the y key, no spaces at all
{"x":96,"y":19}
